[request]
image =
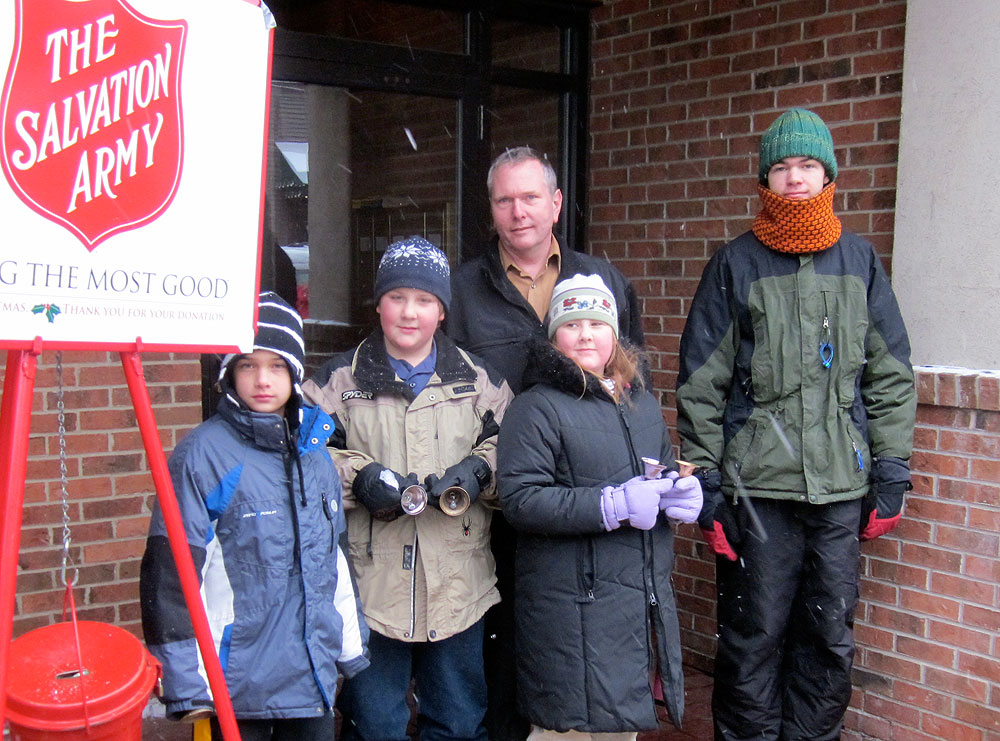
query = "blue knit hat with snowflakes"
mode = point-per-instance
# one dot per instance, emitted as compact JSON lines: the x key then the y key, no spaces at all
{"x":414,"y":263}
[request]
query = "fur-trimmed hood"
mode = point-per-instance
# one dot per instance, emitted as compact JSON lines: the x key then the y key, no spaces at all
{"x":548,"y":365}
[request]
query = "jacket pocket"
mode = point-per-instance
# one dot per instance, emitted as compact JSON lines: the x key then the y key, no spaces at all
{"x":767,"y":457}
{"x":776,"y":365}
{"x":743,"y":449}
{"x":846,"y":313}
{"x":854,"y":459}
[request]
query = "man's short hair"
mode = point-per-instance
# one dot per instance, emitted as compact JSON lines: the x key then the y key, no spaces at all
{"x":517,"y":155}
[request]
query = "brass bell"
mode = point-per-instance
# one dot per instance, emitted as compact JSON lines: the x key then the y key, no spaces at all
{"x":652,"y":468}
{"x":455,"y":501}
{"x":684,"y":468}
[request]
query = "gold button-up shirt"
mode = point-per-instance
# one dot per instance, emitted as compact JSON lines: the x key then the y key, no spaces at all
{"x":536,"y":289}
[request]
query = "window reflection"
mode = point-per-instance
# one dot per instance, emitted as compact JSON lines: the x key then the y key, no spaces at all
{"x":526,"y":46}
{"x":349,"y":172}
{"x":377,"y":20}
{"x":522,"y":116}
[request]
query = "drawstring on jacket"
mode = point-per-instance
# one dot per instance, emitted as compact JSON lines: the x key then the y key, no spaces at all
{"x":293,"y":455}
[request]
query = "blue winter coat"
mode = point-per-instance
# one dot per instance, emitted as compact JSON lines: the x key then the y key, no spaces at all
{"x":263,"y":524}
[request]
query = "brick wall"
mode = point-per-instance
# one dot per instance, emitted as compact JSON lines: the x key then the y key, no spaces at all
{"x":928,"y":629}
{"x":111,"y":490}
{"x":681,"y":91}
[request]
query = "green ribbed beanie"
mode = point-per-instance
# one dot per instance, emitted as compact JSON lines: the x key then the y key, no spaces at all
{"x":797,"y":133}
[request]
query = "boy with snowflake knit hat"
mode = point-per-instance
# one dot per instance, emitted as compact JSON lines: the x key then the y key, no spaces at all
{"x":412,"y":408}
{"x":795,"y":397}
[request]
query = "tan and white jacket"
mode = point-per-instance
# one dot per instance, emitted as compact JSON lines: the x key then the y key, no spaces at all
{"x":430,"y":576}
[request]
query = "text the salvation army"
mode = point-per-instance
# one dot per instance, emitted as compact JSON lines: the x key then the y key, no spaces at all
{"x":69,"y":122}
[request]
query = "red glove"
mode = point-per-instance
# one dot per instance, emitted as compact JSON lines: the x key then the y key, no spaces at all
{"x":883,"y":505}
{"x":715,"y":520}
{"x":877,"y":526}
{"x":718,"y":542}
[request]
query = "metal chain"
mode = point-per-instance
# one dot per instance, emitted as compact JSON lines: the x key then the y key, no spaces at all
{"x":63,"y":478}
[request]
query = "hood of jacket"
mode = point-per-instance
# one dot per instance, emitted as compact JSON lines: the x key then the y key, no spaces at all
{"x":373,"y":372}
{"x":550,"y":366}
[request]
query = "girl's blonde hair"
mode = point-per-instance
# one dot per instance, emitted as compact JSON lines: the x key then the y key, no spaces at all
{"x":623,"y":369}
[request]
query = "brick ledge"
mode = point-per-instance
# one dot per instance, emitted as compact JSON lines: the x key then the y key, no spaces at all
{"x":961,"y":388}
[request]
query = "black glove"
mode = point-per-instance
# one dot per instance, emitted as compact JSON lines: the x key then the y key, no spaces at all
{"x":883,"y":505}
{"x":378,"y":489}
{"x":718,"y":527}
{"x":472,"y":473}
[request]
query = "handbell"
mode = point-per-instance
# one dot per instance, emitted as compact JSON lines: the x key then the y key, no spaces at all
{"x":685,"y":469}
{"x":455,"y":501}
{"x":413,"y":500}
{"x":652,"y":468}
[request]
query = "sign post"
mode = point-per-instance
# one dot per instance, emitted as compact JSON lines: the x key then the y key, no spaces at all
{"x":132,"y":144}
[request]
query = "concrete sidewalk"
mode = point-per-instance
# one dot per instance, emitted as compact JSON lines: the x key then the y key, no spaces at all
{"x":697,"y":717}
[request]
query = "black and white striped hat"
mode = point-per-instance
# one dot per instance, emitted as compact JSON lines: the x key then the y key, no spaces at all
{"x":279,"y":329}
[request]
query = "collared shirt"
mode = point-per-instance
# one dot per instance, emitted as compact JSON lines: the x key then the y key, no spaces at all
{"x":416,"y":376}
{"x":536,"y":289}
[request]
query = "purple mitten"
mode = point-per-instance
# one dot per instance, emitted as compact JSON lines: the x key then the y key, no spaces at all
{"x":613,"y":507}
{"x":643,"y":501}
{"x":683,"y":500}
{"x":637,"y":501}
{"x":615,"y":510}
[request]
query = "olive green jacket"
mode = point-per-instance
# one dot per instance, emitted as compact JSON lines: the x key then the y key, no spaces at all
{"x":754,"y":397}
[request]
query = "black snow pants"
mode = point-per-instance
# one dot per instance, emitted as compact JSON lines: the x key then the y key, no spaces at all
{"x":786,"y":622}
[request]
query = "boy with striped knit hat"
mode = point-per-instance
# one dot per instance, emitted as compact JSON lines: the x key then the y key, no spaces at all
{"x":795,"y":398}
{"x":261,"y":505}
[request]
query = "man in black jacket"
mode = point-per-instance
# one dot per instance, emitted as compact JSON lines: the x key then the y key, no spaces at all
{"x":499,"y":303}
{"x":500,"y":299}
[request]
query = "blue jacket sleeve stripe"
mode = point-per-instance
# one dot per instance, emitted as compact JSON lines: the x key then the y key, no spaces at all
{"x":218,"y":499}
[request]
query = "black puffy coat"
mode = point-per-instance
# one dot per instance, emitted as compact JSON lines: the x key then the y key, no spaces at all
{"x":595,"y":610}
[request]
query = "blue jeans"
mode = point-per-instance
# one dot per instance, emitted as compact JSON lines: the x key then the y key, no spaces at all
{"x":450,"y":690}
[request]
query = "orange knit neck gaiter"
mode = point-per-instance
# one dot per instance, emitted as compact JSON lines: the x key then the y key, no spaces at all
{"x":800,"y":227}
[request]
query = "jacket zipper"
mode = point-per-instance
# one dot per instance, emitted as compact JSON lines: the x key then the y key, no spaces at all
{"x":647,"y":539}
{"x":636,"y":465}
{"x":857,"y":455}
{"x":413,"y":587}
{"x":329,"y":517}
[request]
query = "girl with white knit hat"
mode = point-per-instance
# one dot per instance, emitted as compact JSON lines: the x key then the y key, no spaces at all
{"x":594,"y":607}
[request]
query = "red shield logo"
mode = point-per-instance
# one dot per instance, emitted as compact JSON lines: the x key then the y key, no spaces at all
{"x":92,"y":134}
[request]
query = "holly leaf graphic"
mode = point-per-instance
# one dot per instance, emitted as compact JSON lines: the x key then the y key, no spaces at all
{"x":50,"y":310}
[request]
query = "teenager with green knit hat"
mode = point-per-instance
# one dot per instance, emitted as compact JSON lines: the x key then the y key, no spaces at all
{"x":795,"y":398}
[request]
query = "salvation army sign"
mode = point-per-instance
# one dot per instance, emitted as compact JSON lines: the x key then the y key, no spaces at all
{"x":132,"y":136}
{"x":92,"y":135}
